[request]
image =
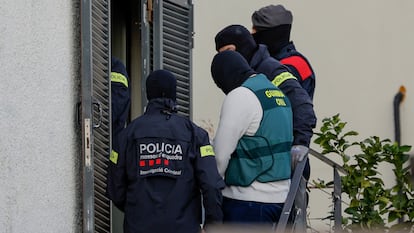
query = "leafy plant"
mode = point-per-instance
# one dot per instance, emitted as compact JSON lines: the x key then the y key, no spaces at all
{"x":372,"y":207}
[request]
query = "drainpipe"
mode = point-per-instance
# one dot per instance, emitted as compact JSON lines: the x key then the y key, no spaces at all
{"x":398,"y":98}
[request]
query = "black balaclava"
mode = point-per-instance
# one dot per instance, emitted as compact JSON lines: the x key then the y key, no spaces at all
{"x":274,"y":38}
{"x":240,"y":37}
{"x":161,"y":84}
{"x":229,"y":70}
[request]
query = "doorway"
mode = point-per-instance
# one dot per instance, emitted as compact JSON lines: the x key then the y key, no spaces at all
{"x":148,"y":35}
{"x":126,"y":45}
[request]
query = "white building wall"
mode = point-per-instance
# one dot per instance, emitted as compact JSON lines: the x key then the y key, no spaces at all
{"x":39,"y":171}
{"x":361,"y":51}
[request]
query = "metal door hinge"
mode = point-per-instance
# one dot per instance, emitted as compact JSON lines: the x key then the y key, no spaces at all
{"x":87,"y":142}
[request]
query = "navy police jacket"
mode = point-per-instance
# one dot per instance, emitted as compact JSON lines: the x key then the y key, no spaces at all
{"x":299,"y":66}
{"x":304,"y":118}
{"x":163,"y":172}
{"x":120,"y":98}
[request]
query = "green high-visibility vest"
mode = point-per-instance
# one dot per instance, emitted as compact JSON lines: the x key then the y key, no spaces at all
{"x":265,"y":156}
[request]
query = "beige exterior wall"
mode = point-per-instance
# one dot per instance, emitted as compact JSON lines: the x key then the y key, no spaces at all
{"x":361,"y":51}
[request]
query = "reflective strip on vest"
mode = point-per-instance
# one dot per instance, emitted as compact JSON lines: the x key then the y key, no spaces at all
{"x":279,"y":79}
{"x":300,"y":64}
{"x":119,"y":78}
{"x":265,"y":156}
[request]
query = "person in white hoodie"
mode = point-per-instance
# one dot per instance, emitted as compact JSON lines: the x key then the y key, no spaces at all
{"x":252,"y":142}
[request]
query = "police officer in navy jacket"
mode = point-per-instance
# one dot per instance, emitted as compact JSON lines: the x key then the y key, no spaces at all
{"x":165,"y":168}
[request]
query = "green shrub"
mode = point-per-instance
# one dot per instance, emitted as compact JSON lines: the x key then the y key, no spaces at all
{"x":372,"y":206}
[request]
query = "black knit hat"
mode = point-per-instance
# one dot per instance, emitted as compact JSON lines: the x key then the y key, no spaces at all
{"x":271,"y":16}
{"x":240,"y":37}
{"x":229,"y":70}
{"x":161,"y":84}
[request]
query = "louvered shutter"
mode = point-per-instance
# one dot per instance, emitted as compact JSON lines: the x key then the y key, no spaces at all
{"x":96,"y":113}
{"x":169,"y":32}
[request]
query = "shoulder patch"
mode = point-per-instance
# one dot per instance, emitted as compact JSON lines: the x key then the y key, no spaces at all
{"x":280,"y":78}
{"x":207,"y":151}
{"x":114,"y":157}
{"x":300,"y":64}
{"x":119,"y":78}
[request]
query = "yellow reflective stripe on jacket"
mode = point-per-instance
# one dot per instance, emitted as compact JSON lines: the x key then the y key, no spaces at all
{"x":119,"y":78}
{"x":206,"y":151}
{"x":114,"y":157}
{"x":279,"y":79}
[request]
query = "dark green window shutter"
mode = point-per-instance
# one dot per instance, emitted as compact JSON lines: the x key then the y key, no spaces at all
{"x":169,"y":32}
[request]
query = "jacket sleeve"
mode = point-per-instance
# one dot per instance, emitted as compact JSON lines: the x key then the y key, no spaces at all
{"x":117,"y":175}
{"x":307,"y":83}
{"x":304,"y":118}
{"x":208,"y":177}
{"x":121,"y":103}
{"x":120,"y":94}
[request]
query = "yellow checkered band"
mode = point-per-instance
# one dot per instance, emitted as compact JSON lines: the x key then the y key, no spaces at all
{"x":279,"y":79}
{"x":114,"y":157}
{"x":206,"y":151}
{"x":119,"y":78}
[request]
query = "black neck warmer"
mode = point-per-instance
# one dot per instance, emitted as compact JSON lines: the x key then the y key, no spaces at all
{"x":274,"y":38}
{"x":248,"y":49}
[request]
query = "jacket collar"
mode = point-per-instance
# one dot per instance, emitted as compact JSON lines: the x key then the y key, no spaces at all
{"x":163,"y":105}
